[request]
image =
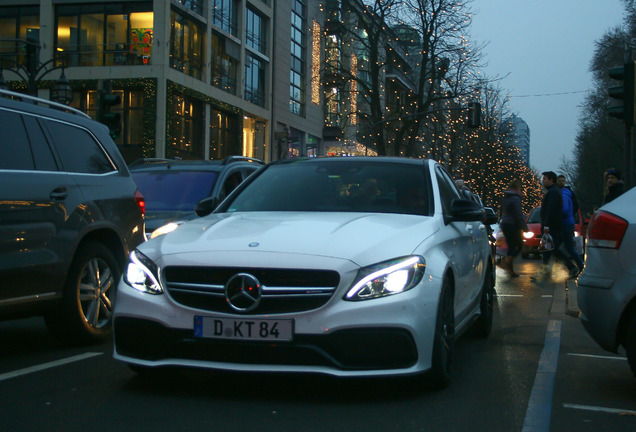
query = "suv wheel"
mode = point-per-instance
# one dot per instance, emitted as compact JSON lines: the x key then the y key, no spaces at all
{"x":85,"y":315}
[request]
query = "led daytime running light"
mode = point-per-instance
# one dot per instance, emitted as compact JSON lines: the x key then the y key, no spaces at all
{"x":404,"y":264}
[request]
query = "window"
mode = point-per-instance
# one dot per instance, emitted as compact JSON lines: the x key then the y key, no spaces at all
{"x":186,"y":50}
{"x":297,"y":74}
{"x":104,"y":35}
{"x":448,"y":190}
{"x":254,"y":80}
{"x":78,"y":150}
{"x":224,"y":15}
{"x":17,"y":156}
{"x":255,"y":31}
{"x":224,"y":133}
{"x":224,"y":66}
{"x":131,"y":109}
{"x":17,"y":23}
{"x":185,"y":135}
{"x":193,"y":5}
{"x":332,"y":105}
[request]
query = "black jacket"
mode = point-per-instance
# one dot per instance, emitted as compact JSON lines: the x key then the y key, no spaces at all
{"x":551,"y":208}
{"x":614,"y":191}
{"x":512,"y":216}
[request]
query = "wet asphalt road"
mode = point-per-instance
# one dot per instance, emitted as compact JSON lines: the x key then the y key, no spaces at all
{"x":539,"y":371}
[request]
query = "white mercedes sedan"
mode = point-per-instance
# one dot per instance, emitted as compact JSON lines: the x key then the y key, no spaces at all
{"x":344,"y":266}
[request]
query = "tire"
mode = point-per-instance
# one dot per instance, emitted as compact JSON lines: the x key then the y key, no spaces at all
{"x":85,"y":313}
{"x":444,"y":339}
{"x":483,"y":325}
{"x":630,"y":344}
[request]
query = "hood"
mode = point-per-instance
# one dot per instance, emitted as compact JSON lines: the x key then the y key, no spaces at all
{"x":359,"y":237}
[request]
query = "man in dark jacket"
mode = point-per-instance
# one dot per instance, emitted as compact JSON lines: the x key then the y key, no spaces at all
{"x":615,"y":185}
{"x":551,"y":222}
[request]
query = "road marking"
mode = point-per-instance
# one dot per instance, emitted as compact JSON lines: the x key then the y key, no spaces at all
{"x":601,"y":409}
{"x":48,"y":365}
{"x":540,"y":403}
{"x":547,"y":295}
{"x":598,"y":356}
{"x":509,"y":295}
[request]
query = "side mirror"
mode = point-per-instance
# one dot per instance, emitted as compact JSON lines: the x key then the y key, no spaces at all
{"x":463,"y":210}
{"x":206,"y":206}
{"x":490,"y":217}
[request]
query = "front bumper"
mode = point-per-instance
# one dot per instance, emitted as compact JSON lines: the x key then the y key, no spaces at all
{"x":386,"y":336}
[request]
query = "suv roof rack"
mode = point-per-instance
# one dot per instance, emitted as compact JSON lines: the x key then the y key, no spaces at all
{"x":144,"y":161}
{"x":39,"y":101}
{"x":230,"y":159}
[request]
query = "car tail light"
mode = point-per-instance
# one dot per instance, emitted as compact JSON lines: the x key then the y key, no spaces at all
{"x":606,"y":230}
{"x":141,"y":202}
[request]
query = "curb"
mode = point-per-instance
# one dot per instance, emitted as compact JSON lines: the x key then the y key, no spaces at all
{"x":571,"y":298}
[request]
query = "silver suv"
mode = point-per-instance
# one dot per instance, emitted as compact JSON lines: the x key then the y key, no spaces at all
{"x":69,"y":215}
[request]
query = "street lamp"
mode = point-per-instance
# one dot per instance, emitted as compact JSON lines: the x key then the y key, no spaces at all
{"x":33,"y":72}
{"x":61,"y":91}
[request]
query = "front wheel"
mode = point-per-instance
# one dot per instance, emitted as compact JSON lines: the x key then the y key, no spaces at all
{"x":85,"y":314}
{"x":483,"y":325}
{"x":444,"y":339}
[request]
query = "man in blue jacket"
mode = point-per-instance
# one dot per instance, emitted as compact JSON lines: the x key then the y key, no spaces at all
{"x":570,"y":210}
{"x":552,"y":222}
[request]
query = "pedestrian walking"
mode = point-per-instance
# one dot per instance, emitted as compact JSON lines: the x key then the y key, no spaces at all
{"x":569,"y":214}
{"x":615,"y":185}
{"x":512,"y":225}
{"x":552,"y":222}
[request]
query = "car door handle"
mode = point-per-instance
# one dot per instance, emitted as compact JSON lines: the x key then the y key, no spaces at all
{"x":59,"y":194}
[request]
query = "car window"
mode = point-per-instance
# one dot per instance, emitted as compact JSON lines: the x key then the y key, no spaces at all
{"x":535,"y":216}
{"x":44,"y":160}
{"x":447,"y":189}
{"x":231,"y":182}
{"x":15,"y":152}
{"x":334,"y":186}
{"x":170,"y":190}
{"x":78,"y":150}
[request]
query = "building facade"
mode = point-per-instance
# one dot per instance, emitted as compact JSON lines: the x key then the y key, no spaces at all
{"x":520,"y":137}
{"x":197,"y":79}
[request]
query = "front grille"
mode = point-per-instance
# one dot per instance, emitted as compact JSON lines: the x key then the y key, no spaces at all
{"x":284,"y":290}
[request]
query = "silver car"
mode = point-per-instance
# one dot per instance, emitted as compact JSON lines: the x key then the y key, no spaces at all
{"x":607,"y":286}
{"x":343,"y":266}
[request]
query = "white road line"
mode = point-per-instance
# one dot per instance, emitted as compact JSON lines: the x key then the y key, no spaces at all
{"x":540,"y":404}
{"x":509,"y":295}
{"x":600,"y":409}
{"x":598,"y":356}
{"x":547,"y":295}
{"x":43,"y":366}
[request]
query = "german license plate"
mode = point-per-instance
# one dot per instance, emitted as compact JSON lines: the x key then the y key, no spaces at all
{"x":243,"y":329}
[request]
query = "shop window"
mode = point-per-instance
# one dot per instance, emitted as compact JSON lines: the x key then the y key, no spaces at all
{"x":185,"y":131}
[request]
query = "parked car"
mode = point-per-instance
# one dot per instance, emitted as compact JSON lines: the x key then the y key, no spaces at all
{"x":352,"y":266}
{"x":607,"y":286}
{"x":532,"y":238}
{"x":173,"y":188}
{"x":69,"y":215}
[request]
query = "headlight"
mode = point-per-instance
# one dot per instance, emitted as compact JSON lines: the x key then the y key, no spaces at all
{"x":577,"y":234}
{"x":528,"y":234}
{"x":142,"y":274}
{"x":387,"y":278}
{"x":165,"y":229}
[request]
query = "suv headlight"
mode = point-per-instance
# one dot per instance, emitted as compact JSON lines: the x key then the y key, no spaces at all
{"x":387,"y":278}
{"x":142,"y":274}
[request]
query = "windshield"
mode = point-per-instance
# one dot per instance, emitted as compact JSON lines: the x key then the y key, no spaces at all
{"x":535,"y":216}
{"x":174,"y":190}
{"x":351,"y":186}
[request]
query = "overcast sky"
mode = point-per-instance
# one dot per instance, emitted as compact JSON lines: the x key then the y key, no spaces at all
{"x":545,"y":46}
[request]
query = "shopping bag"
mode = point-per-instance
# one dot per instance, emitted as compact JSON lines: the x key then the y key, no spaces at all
{"x":547,"y":243}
